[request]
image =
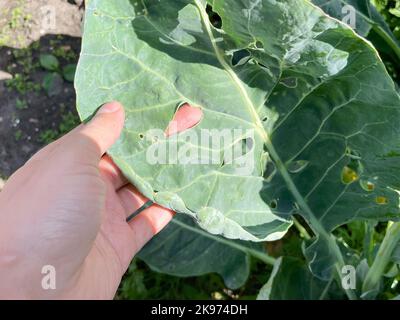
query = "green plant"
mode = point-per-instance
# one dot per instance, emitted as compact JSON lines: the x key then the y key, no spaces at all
{"x":69,"y":72}
{"x":49,"y":62}
{"x":21,"y":83}
{"x":22,"y":70}
{"x":322,"y":113}
{"x":68,"y":122}
{"x":21,"y":104}
{"x":63,"y":51}
{"x":48,"y":136}
{"x":52,"y":82}
{"x":18,"y":135}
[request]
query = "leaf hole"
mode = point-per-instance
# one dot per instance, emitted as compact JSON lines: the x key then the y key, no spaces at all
{"x":238,"y":153}
{"x":248,"y":144}
{"x":273,"y":204}
{"x":289,"y":82}
{"x":264,"y":67}
{"x":259,"y":45}
{"x":185,"y":117}
{"x":297,"y":166}
{"x":240,"y":57}
{"x":141,"y":136}
{"x":214,"y":17}
{"x":269,"y":171}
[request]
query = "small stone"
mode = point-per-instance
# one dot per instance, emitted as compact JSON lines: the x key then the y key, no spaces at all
{"x":66,"y":48}
{"x":16,"y":123}
{"x":5,"y":75}
{"x":26,"y":149}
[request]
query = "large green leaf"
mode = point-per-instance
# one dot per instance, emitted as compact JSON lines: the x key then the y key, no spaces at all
{"x":116,"y":64}
{"x":183,"y":249}
{"x":323,"y":111}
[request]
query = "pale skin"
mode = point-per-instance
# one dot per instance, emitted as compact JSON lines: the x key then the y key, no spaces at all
{"x":67,"y":207}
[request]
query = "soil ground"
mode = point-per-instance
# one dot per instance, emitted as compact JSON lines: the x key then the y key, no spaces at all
{"x":30,"y":117}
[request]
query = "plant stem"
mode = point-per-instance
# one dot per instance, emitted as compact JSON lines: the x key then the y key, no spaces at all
{"x":260,"y":255}
{"x":303,"y":232}
{"x":368,"y":242}
{"x":382,"y":258}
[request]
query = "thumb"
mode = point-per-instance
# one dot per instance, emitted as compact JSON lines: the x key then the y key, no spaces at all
{"x":104,"y":128}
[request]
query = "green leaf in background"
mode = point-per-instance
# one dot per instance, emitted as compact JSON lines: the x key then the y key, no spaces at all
{"x":396,"y":254}
{"x":396,"y":11}
{"x":183,"y":249}
{"x":49,"y":62}
{"x":69,"y":72}
{"x":322,"y":107}
{"x":52,"y":84}
{"x":292,"y":280}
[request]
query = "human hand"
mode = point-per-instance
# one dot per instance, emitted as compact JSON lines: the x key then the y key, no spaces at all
{"x":67,"y":208}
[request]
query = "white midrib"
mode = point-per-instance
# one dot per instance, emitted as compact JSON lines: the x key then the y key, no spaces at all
{"x":238,"y":83}
{"x":315,"y":223}
{"x":252,"y":109}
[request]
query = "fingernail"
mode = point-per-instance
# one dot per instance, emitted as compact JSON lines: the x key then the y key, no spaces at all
{"x":109,"y":108}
